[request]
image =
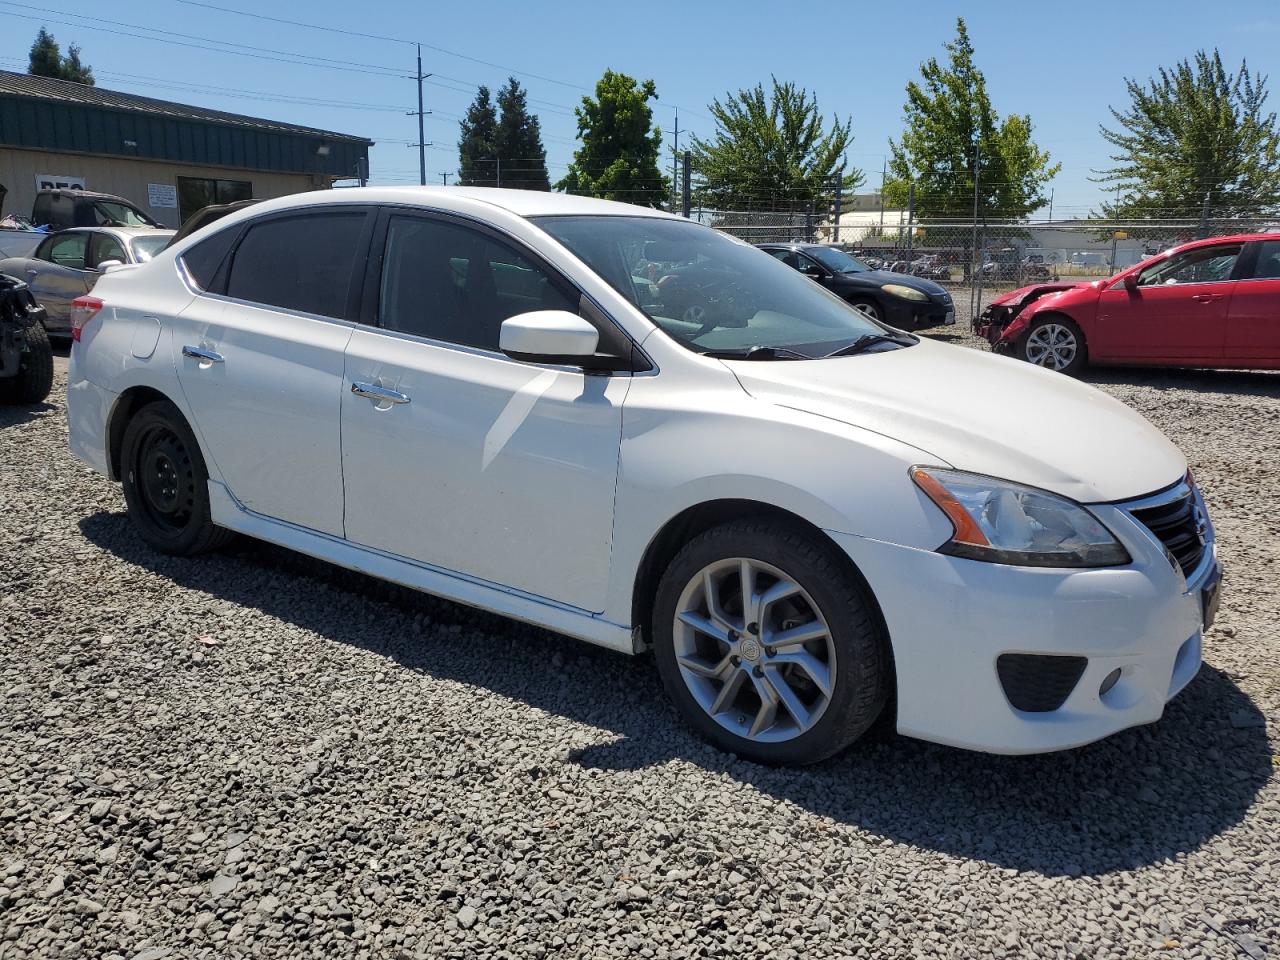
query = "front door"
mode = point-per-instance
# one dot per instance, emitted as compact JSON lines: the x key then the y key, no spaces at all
{"x":454,"y":454}
{"x":1177,"y":313}
{"x":261,"y":367}
{"x":1253,"y":328}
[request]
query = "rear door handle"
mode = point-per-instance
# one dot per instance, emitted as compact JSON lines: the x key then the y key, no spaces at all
{"x":201,"y":354}
{"x":380,"y":394}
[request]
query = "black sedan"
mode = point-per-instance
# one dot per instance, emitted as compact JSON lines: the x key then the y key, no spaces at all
{"x":898,"y":299}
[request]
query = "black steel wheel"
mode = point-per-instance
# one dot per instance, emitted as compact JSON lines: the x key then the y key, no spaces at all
{"x":166,"y":485}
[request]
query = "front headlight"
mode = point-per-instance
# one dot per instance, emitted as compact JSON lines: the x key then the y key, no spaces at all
{"x":906,"y":293}
{"x":1002,"y":522}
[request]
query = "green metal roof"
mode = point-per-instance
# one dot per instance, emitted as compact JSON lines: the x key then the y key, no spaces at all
{"x":41,"y":113}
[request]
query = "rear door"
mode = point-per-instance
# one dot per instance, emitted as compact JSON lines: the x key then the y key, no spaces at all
{"x":474,"y":462}
{"x":58,"y":274}
{"x":1253,"y":327}
{"x":260,"y":358}
{"x":1177,"y":314}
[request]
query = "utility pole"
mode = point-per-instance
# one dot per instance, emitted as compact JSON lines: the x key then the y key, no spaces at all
{"x":977,"y":176}
{"x":839,"y":203}
{"x":688,"y":165}
{"x":1051,"y":205}
{"x":422,"y":139}
{"x":911,"y":217}
{"x":675,"y":154}
{"x":498,"y":161}
{"x":884,"y":170}
{"x":444,"y":178}
{"x":1204,"y":217}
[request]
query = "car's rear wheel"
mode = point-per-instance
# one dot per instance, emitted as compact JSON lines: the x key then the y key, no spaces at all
{"x":1055,"y":342}
{"x":767,"y":644}
{"x":166,"y":485}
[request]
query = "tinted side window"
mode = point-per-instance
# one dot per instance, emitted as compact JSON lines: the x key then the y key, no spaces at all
{"x":300,"y":263}
{"x":206,"y":257}
{"x":1268,"y":267}
{"x":103,"y":246}
{"x":448,"y":282}
{"x":68,"y":250}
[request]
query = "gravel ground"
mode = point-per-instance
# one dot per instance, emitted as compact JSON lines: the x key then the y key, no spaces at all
{"x":254,"y":754}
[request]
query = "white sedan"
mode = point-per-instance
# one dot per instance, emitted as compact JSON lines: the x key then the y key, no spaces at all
{"x":638,"y":431}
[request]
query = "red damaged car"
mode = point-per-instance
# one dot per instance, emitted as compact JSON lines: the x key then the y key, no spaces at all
{"x":1209,"y":303}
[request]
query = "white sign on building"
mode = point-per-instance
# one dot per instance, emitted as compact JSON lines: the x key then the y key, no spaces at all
{"x":162,"y":195}
{"x":58,"y":181}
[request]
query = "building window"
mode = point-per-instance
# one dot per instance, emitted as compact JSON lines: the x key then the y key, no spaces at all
{"x":197,"y":192}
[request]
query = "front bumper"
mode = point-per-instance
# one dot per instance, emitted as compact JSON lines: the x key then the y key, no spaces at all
{"x":917,"y":315}
{"x":950,"y":619}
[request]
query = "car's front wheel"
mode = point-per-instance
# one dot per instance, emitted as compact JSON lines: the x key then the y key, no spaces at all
{"x":767,"y":644}
{"x":166,"y":485}
{"x":868,"y":308}
{"x":1054,"y":342}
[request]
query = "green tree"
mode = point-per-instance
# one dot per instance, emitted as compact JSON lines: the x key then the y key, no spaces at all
{"x":477,"y":144}
{"x":518,"y":142}
{"x":46,"y":60}
{"x":950,"y":124}
{"x":1194,"y":131}
{"x":618,"y":159}
{"x":771,"y":150}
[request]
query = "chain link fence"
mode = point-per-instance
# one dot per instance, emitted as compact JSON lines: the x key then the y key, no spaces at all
{"x":980,"y":261}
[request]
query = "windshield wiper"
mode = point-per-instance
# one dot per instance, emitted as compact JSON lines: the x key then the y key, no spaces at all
{"x":870,"y":340}
{"x":757,"y":353}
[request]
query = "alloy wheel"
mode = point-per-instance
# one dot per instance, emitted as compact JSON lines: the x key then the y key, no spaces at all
{"x":868,"y":310}
{"x":754,"y":649}
{"x":1052,"y":345}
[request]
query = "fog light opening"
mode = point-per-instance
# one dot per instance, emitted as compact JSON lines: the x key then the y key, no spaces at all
{"x":1109,"y":681}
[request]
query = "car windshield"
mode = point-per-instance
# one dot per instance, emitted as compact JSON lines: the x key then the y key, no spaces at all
{"x":837,"y":261}
{"x":144,"y":248}
{"x":710,"y":292}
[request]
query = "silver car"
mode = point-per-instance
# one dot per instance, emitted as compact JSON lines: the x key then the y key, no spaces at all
{"x":67,"y":264}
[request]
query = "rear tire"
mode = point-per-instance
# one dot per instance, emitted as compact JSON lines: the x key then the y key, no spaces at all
{"x":1056,"y":343}
{"x":34,"y":380}
{"x":790,"y":680}
{"x":166,"y":484}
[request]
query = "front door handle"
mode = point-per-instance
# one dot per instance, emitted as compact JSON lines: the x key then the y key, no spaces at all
{"x":377,"y":393}
{"x":1207,"y":297}
{"x":201,"y":354}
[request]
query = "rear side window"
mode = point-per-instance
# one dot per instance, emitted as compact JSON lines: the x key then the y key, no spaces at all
{"x":67,"y":250}
{"x":205,"y":259}
{"x":302,"y":263}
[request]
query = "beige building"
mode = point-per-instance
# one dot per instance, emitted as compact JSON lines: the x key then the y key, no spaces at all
{"x":168,"y":158}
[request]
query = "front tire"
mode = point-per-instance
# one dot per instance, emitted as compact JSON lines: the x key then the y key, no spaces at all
{"x":1054,"y":342}
{"x":868,"y":308}
{"x":793,"y":675}
{"x":166,"y":484}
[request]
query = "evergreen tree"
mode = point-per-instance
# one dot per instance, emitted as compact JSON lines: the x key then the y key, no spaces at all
{"x":618,"y":159}
{"x":1195,"y":131}
{"x":771,"y":150}
{"x":950,"y":119}
{"x":518,"y":142}
{"x":46,"y":60}
{"x":46,"y":57}
{"x":476,"y":148}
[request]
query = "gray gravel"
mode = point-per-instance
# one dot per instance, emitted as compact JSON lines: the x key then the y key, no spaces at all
{"x":254,"y":754}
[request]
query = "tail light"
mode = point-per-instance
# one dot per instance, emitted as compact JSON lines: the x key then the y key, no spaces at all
{"x":83,"y":309}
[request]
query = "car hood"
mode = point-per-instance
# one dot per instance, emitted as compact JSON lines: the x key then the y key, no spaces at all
{"x":878,"y":278}
{"x":983,"y":413}
{"x":1039,"y":290}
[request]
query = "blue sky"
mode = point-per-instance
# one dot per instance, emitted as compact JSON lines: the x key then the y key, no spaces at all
{"x":1062,"y":63}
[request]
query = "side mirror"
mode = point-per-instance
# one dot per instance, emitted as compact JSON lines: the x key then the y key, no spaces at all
{"x":549,"y":336}
{"x":108,"y":265}
{"x":1131,"y":282}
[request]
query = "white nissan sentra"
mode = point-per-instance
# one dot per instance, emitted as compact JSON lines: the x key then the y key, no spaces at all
{"x":635,"y":430}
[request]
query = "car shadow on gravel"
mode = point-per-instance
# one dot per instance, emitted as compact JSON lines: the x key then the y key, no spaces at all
{"x":1256,"y":383}
{"x":1140,"y":797}
{"x":17,"y":414}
